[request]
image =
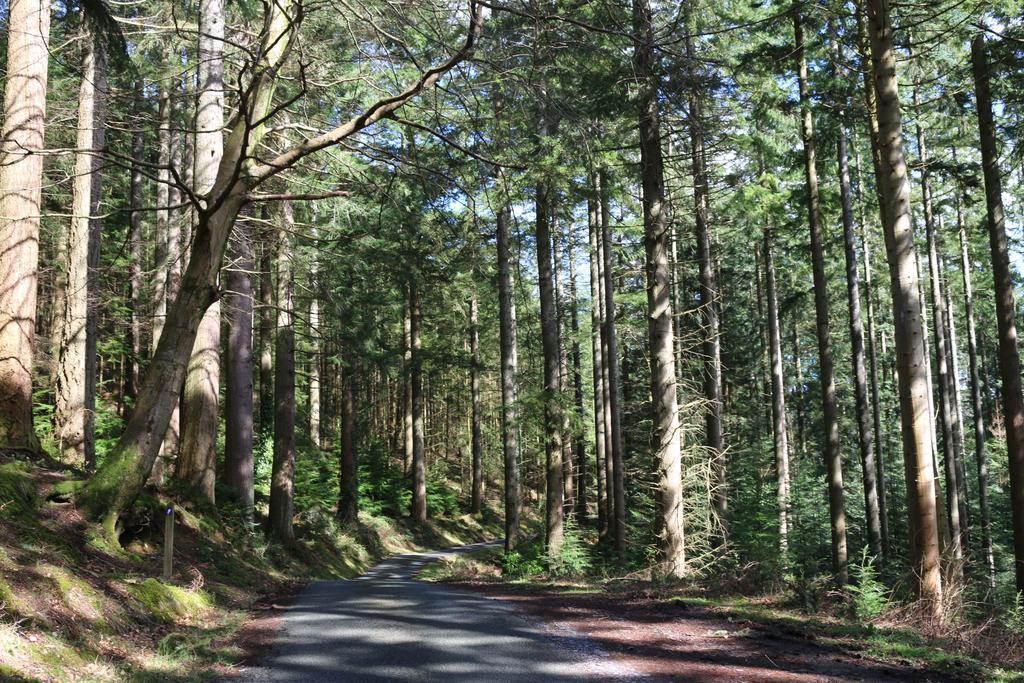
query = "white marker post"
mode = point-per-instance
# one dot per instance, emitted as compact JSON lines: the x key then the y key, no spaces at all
{"x":168,"y":541}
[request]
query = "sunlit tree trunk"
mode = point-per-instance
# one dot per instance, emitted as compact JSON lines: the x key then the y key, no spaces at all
{"x":238,"y":409}
{"x":1009,"y":359}
{"x":596,"y":324}
{"x":615,"y":466}
{"x":579,"y":442}
{"x":554,"y":503}
{"x":407,"y":392}
{"x":418,"y":465}
{"x":268,"y":247}
{"x":75,"y":332}
{"x":713,"y":433}
{"x":779,"y":427}
{"x":666,"y":440}
{"x":348,"y":475}
{"x":315,"y":389}
{"x":476,"y":429}
{"x":568,"y":437}
{"x":197,"y":461}
{"x":509,"y":394}
{"x":830,"y":409}
{"x":911,"y":359}
{"x":876,"y":404}
{"x":282,"y":476}
{"x":865,"y":435}
{"x":21,"y":171}
{"x":135,"y":242}
{"x":977,"y":411}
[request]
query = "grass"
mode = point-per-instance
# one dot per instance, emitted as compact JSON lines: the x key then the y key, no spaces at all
{"x":75,"y":607}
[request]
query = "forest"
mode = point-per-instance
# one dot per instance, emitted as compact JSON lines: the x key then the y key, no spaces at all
{"x":699,"y":312}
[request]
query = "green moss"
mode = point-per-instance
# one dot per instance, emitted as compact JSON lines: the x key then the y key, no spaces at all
{"x":17,"y":492}
{"x":171,"y":603}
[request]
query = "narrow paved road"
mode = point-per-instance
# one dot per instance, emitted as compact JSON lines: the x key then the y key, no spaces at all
{"x":386,"y":626}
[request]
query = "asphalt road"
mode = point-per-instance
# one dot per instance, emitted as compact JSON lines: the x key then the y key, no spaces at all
{"x":386,"y":626}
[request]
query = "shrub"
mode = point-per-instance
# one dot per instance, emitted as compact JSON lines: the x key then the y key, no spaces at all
{"x":868,"y":596}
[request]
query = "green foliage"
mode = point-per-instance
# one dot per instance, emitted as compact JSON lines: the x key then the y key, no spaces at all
{"x":382,"y":486}
{"x":521,"y":564}
{"x":575,"y":558}
{"x":442,"y":496}
{"x":868,"y":595}
{"x":1013,"y":618}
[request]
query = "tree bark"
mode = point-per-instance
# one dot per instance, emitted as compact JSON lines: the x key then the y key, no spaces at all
{"x":876,"y":404}
{"x":865,"y":435}
{"x":779,"y":427}
{"x":977,"y":410}
{"x":476,"y":433}
{"x":407,"y":392}
{"x":555,"y":494}
{"x":830,"y":409}
{"x":946,"y":406}
{"x":238,"y":413}
{"x":659,"y":306}
{"x":911,"y":358}
{"x":509,"y":394}
{"x":1009,"y":360}
{"x":568,"y":437}
{"x":282,"y":476}
{"x":601,"y":436}
{"x":314,"y":367}
{"x":615,"y":472}
{"x":579,"y":441}
{"x":419,"y":465}
{"x":348,"y":499}
{"x":135,"y":241}
{"x":266,"y":329}
{"x":713,"y":434}
{"x":197,"y":461}
{"x":21,"y":172}
{"x":75,"y":334}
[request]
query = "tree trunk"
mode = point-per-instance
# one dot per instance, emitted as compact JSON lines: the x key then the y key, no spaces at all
{"x":282,"y":477}
{"x":977,"y":411}
{"x":476,"y":434}
{"x":912,"y":361}
{"x":75,"y":334}
{"x":615,"y":472}
{"x":601,"y":441}
{"x":21,"y":172}
{"x":713,"y":435}
{"x":1009,"y":360}
{"x":779,"y":427}
{"x":135,"y":241}
{"x":579,"y":442}
{"x":659,"y":306}
{"x":348,"y":499}
{"x":865,"y":435}
{"x":266,"y":329}
{"x":419,"y":465}
{"x":197,"y":461}
{"x":238,"y":414}
{"x":876,"y":404}
{"x":554,"y":503}
{"x":946,"y":407}
{"x":407,"y":392}
{"x":314,"y":367}
{"x":116,"y":485}
{"x":830,"y":409}
{"x":509,"y":397}
{"x":568,"y":437}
